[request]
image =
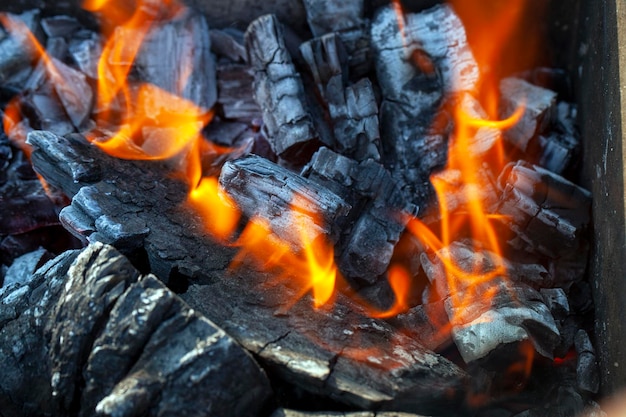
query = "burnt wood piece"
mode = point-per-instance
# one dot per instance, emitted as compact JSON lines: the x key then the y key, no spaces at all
{"x":17,"y":52}
{"x":493,"y":314}
{"x":142,"y":349}
{"x":379,"y":213}
{"x":538,"y":106}
{"x":49,"y":112}
{"x":352,"y":108}
{"x":326,"y":352}
{"x":415,"y":69}
{"x":235,"y":93}
{"x":186,"y":43}
{"x":279,"y":92}
{"x":263,"y":189}
{"x":535,"y":200}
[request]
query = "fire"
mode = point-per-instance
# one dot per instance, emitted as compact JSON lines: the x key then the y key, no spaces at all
{"x":306,"y":264}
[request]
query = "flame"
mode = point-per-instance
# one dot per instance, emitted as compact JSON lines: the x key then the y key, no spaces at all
{"x":306,"y":264}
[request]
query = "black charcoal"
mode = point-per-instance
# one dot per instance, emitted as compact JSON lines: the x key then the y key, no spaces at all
{"x":22,"y":269}
{"x":279,"y":92}
{"x":17,"y":51}
{"x":263,"y":189}
{"x":85,"y":48}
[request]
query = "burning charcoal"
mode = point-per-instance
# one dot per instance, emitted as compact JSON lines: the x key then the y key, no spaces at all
{"x":485,"y":137}
{"x":235,"y":92}
{"x":380,"y":217}
{"x":279,"y":92}
{"x":491,"y":315}
{"x":264,"y":189}
{"x":59,"y":26}
{"x":534,"y":199}
{"x":556,"y":300}
{"x":557,"y":152}
{"x":538,"y":106}
{"x":353,"y":109}
{"x":413,"y":89}
{"x":17,"y":52}
{"x":85,"y":48}
{"x":136,"y":323}
{"x":57,"y":48}
{"x":587,"y":371}
{"x":23,"y":268}
{"x":224,"y":44}
{"x":439,"y":34}
{"x":186,"y":42}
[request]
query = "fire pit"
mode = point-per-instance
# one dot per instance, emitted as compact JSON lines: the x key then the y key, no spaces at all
{"x":306,"y":236}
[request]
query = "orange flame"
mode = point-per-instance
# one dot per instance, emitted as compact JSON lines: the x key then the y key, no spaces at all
{"x":307,"y":264}
{"x":152,"y":124}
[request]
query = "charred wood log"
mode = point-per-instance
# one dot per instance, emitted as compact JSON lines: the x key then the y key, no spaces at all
{"x":265,"y":190}
{"x":323,"y":352}
{"x":279,"y":92}
{"x":98,"y":312}
{"x":186,"y":42}
{"x":353,"y":109}
{"x":415,"y":69}
{"x":534,"y":199}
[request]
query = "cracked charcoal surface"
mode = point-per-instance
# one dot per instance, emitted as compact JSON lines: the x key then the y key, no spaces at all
{"x":90,"y":310}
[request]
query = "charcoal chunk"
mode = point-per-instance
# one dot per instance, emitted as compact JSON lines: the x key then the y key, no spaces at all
{"x":279,"y":92}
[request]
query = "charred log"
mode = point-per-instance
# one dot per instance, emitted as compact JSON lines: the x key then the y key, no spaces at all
{"x":279,"y":92}
{"x":97,"y":312}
